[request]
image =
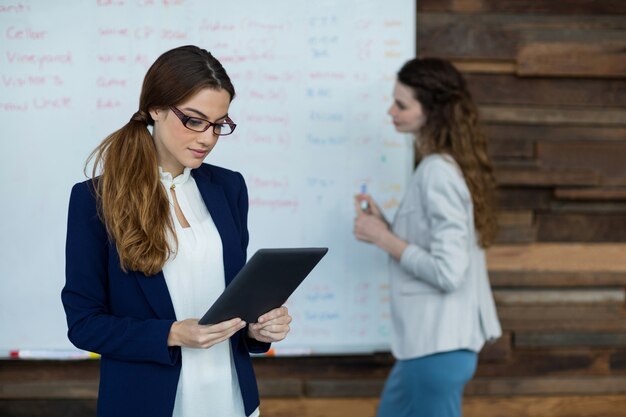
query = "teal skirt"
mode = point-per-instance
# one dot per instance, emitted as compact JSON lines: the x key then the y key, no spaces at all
{"x":430,"y":386}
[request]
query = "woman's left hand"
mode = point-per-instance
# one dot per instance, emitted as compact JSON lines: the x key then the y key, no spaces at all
{"x":272,"y":326}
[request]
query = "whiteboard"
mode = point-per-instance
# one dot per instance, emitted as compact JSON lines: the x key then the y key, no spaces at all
{"x":313,"y":81}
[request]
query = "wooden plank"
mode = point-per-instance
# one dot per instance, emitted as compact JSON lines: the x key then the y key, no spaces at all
{"x":513,"y":90}
{"x":515,"y":218}
{"x":510,"y":148}
{"x":562,"y":325}
{"x":606,"y":158}
{"x":548,"y":361}
{"x":72,"y":389}
{"x":330,"y":388}
{"x":602,"y":193}
{"x":563,"y":7}
{"x":571,"y":315}
{"x":547,"y":386}
{"x":516,"y":234}
{"x":617,"y":360}
{"x":324,"y":367}
{"x":607,"y":227}
{"x":280,"y":387}
{"x":524,"y":278}
{"x":319,"y":407}
{"x":546,"y":133}
{"x":593,"y":208}
{"x":559,"y":296}
{"x":48,"y":408}
{"x":523,"y":198}
{"x":587,"y":339}
{"x":508,"y":177}
{"x":552,"y":116}
{"x":545,"y":406}
{"x":477,"y":66}
{"x":498,"y":37}
{"x":565,"y":59}
{"x":544,"y":258}
{"x":480,"y":386}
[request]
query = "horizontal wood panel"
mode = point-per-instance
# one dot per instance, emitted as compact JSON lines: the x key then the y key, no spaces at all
{"x":524,"y":296}
{"x":545,"y":133}
{"x":500,"y":37}
{"x":563,"y":325}
{"x":511,"y":89}
{"x":567,"y":59}
{"x":515,"y":217}
{"x":596,"y":339}
{"x":546,"y":385}
{"x":574,"y":259}
{"x":566,"y":7}
{"x":473,"y":406}
{"x":552,"y":115}
{"x":521,"y":177}
{"x":605,"y":158}
{"x":605,"y":193}
{"x":605,"y":227}
{"x":516,"y":234}
{"x":555,"y":279}
{"x":523,"y":198}
{"x":592,"y":208}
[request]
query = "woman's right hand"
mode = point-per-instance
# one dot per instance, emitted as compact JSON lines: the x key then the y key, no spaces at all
{"x":372,"y":207}
{"x":188,"y":333}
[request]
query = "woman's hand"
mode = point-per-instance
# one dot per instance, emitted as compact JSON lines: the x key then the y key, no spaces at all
{"x":372,"y":207}
{"x":272,"y":326}
{"x":370,"y":228}
{"x":189,"y":333}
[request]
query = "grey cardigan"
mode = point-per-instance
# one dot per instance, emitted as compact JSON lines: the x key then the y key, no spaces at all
{"x":441,"y":299}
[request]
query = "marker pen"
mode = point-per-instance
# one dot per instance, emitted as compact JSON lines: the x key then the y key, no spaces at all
{"x":365,"y":205}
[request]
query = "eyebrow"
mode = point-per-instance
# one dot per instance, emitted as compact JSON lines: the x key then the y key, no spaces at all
{"x":204,"y":115}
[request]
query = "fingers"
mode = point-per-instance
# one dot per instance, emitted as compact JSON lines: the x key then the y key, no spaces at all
{"x":279,"y":312}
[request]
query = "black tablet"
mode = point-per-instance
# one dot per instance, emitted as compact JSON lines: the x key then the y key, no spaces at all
{"x":264,"y":283}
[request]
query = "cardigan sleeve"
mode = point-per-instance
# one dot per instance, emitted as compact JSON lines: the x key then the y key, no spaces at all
{"x":91,"y":326}
{"x":445,"y":196}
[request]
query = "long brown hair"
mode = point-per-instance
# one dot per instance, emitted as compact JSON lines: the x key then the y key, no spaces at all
{"x":452,"y":127}
{"x":132,"y":203}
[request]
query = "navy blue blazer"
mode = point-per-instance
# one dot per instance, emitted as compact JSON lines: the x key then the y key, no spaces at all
{"x":126,"y":316}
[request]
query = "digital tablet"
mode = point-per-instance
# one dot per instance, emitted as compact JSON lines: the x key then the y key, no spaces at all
{"x":265,"y":282}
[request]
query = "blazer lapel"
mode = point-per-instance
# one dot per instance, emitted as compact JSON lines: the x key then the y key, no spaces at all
{"x":157,"y":294}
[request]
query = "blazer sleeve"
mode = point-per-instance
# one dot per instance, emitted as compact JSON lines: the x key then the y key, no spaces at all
{"x":91,"y":326}
{"x":445,"y":196}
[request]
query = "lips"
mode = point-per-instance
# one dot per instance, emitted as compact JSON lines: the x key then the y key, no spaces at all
{"x":199,"y":153}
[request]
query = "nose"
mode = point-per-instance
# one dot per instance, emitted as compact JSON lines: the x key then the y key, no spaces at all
{"x":207,"y":138}
{"x":392,"y":110}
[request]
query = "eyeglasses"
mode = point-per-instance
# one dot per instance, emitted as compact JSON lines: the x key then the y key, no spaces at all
{"x":201,"y":125}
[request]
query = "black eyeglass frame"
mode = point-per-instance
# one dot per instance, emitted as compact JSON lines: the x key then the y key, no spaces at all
{"x":185,"y":119}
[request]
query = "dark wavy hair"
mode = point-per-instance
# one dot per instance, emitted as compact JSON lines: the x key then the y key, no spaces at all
{"x":452,"y":127}
{"x":132,"y":203}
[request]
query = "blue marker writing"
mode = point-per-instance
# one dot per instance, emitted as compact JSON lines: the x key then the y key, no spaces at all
{"x":365,"y":205}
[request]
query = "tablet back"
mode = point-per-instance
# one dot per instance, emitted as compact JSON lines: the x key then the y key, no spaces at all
{"x":265,"y":282}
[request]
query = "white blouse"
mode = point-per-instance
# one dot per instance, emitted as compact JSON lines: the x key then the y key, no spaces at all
{"x":194,"y":273}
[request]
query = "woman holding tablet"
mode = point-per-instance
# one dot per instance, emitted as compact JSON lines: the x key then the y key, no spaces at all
{"x":441,"y":302}
{"x":152,"y":241}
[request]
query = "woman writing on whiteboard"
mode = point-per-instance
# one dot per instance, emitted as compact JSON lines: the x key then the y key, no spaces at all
{"x":152,"y":241}
{"x":441,"y":302}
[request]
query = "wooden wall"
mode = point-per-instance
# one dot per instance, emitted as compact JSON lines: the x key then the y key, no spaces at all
{"x":550,"y":79}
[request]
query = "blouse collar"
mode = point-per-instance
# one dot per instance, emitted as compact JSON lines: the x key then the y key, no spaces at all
{"x":169,"y":182}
